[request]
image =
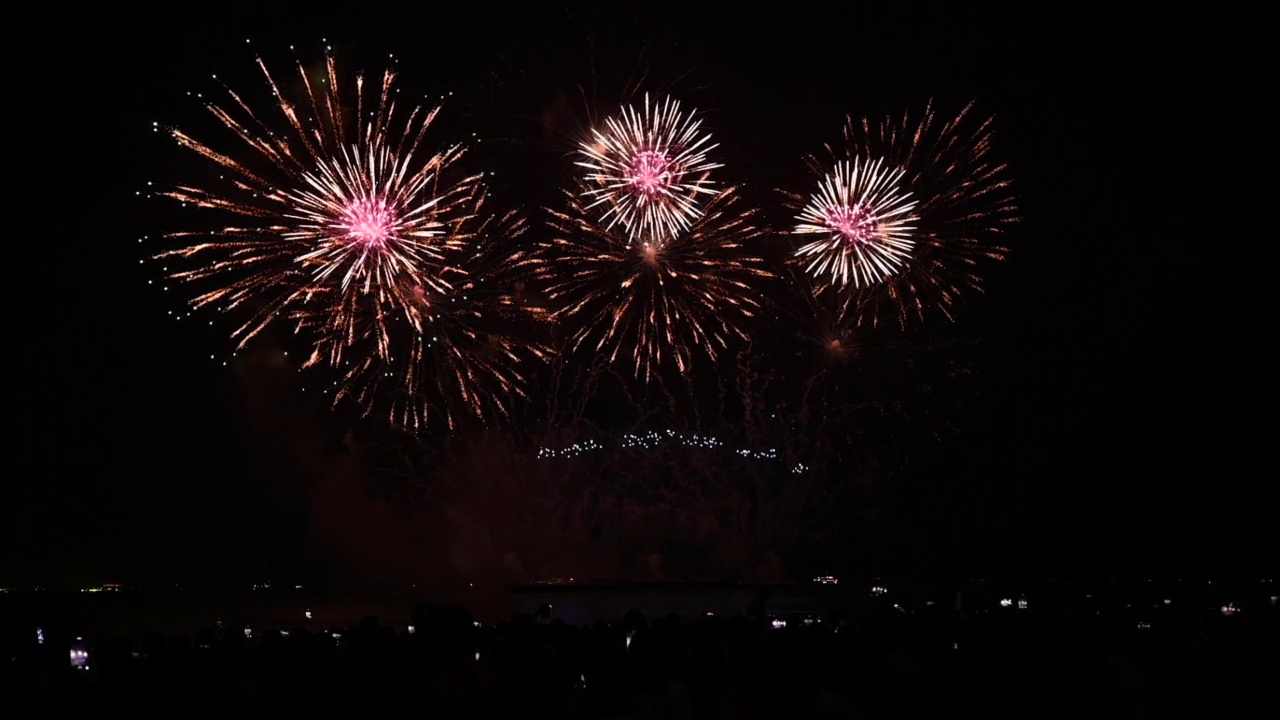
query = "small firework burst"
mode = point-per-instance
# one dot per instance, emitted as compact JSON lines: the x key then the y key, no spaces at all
{"x":335,"y":207}
{"x":954,"y":201}
{"x":865,"y":221}
{"x":649,"y":169}
{"x":649,"y":303}
{"x":465,"y":351}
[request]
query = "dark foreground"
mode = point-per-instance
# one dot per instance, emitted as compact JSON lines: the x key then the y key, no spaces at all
{"x":890,"y":655}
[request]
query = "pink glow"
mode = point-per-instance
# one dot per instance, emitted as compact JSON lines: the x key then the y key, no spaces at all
{"x":649,"y":171}
{"x":368,"y":222}
{"x":855,"y":225}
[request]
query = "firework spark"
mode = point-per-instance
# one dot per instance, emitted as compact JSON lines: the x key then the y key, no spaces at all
{"x":464,"y":351}
{"x":953,"y":202}
{"x":338,"y":207}
{"x":652,"y":303}
{"x":649,"y":169}
{"x":865,"y":221}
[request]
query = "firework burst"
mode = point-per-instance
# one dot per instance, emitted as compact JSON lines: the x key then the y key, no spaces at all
{"x":466,"y":346}
{"x":335,"y":206}
{"x":865,"y":222}
{"x":649,"y":169}
{"x":652,"y":303}
{"x":914,"y":210}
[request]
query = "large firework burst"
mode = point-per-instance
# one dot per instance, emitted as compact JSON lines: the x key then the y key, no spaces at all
{"x":464,"y":350}
{"x":335,"y":208}
{"x":914,"y":209}
{"x":865,"y":223}
{"x":649,"y":169}
{"x":651,"y":303}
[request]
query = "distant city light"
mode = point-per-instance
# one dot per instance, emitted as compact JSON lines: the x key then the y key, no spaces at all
{"x":826,"y":580}
{"x":779,"y":624}
{"x":1230,"y":609}
{"x":1022,"y":603}
{"x":878,"y":590}
{"x":39,"y":636}
{"x":79,"y":655}
{"x":1005,"y":602}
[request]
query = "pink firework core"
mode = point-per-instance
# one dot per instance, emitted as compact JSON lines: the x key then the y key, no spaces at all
{"x":368,"y":222}
{"x":855,"y":225}
{"x":649,"y":171}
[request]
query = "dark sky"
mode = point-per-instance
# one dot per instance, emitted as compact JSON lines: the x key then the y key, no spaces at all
{"x":1120,"y":424}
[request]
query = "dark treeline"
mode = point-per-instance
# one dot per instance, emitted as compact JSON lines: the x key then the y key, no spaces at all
{"x":887,"y":660}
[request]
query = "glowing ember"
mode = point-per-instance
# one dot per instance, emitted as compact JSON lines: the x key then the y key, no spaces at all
{"x":650,"y":253}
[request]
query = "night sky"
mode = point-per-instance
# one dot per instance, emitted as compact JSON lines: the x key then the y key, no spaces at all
{"x":1118,"y":427}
